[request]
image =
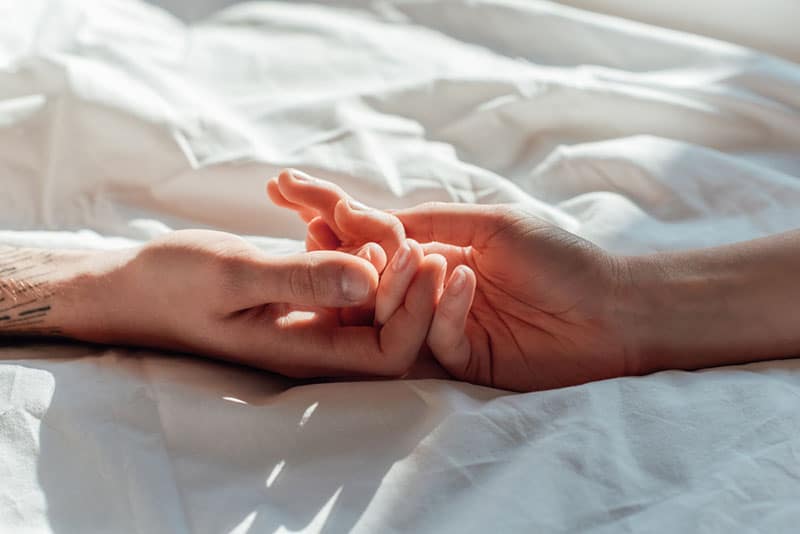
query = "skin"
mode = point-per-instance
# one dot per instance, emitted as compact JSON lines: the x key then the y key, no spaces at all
{"x":539,"y":307}
{"x":214,"y":294}
{"x":498,"y":296}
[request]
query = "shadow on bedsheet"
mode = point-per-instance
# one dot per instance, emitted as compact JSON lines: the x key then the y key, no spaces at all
{"x":178,"y":452}
{"x":333,"y":457}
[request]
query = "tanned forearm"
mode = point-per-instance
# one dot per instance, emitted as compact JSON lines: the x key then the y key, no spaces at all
{"x":725,"y":305}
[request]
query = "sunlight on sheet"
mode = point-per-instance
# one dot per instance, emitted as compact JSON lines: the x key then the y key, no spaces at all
{"x":318,"y":522}
{"x":316,"y":525}
{"x":307,"y":414}
{"x":275,"y":472}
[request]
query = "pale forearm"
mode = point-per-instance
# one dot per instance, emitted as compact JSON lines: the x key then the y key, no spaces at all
{"x":718,"y":306}
{"x":40,"y":291}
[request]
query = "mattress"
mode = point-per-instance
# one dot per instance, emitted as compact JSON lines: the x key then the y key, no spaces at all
{"x":120,"y":122}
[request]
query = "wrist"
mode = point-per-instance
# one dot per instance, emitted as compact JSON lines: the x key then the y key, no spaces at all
{"x":671,"y":311}
{"x":92,"y":297}
{"x":642,"y":308}
{"x":698,"y":309}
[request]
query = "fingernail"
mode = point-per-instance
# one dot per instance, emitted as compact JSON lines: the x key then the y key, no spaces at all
{"x":457,"y":282}
{"x":355,"y":286}
{"x":355,"y":205}
{"x":401,"y":257}
{"x":300,"y":176}
{"x":367,"y":252}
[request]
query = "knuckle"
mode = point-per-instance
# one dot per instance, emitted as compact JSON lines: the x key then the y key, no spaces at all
{"x":301,"y":281}
{"x":396,"y":227}
{"x":321,"y":284}
{"x":315,"y":280}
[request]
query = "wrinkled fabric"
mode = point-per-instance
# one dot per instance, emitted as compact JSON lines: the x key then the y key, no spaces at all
{"x":119,"y":122}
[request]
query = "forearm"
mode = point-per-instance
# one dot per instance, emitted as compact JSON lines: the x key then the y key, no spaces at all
{"x":726,"y":305}
{"x":44,"y":292}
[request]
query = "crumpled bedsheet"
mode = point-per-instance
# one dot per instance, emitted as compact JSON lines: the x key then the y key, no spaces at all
{"x":118,"y":122}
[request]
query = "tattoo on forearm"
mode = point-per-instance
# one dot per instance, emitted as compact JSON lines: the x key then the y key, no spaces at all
{"x":26,"y":299}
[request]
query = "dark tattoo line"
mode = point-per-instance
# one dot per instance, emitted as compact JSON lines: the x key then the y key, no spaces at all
{"x":22,"y":294}
{"x":11,"y":325}
{"x":35,"y":310}
{"x":18,"y":305}
{"x":22,"y":319}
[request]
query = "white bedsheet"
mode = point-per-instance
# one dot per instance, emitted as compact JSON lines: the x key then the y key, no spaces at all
{"x":118,"y":122}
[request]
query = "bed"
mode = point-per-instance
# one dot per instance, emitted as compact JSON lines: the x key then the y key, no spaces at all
{"x":639,"y":130}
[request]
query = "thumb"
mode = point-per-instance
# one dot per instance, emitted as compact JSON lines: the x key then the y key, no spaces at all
{"x":323,"y":278}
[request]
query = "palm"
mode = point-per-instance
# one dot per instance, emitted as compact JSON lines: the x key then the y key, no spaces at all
{"x":534,"y":321}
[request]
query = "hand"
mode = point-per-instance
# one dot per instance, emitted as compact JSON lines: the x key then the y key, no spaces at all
{"x":544,"y":311}
{"x":213,"y":293}
{"x":338,"y":222}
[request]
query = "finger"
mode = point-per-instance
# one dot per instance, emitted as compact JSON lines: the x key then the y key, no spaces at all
{"x":392,"y":350}
{"x":322,"y":234}
{"x":456,"y":224}
{"x":447,"y":338}
{"x":394,"y":281}
{"x":312,"y":244}
{"x":277,"y":198}
{"x":454,"y":255}
{"x":324,"y":237}
{"x":373,"y":253}
{"x":301,"y":348}
{"x":443,"y":249}
{"x":323,"y":278}
{"x":275,"y":195}
{"x":350,"y":221}
{"x":403,"y":335}
{"x":358,"y":222}
{"x":297,"y":345}
{"x":321,"y":196}
{"x":364,"y":314}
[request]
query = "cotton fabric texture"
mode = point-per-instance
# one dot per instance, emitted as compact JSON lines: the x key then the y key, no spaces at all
{"x":119,"y":122}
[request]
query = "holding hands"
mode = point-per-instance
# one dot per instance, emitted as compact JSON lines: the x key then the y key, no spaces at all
{"x":497,"y":295}
{"x":526,"y":304}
